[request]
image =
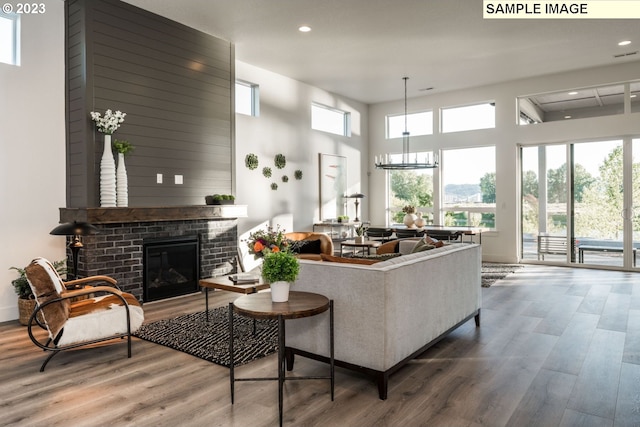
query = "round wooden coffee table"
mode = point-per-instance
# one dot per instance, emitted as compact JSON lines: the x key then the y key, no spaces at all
{"x":367,"y":244}
{"x":260,"y":306}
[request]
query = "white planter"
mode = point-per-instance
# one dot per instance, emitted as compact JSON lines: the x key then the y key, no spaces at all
{"x":122,"y":183}
{"x":107,"y":175}
{"x":359,"y":239}
{"x":419,"y":222}
{"x":280,"y":291}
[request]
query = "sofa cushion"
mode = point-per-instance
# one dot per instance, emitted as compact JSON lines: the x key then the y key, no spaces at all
{"x":422,"y":246}
{"x":331,"y":258}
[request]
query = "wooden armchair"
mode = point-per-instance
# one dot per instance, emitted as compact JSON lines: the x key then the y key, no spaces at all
{"x":77,"y":314}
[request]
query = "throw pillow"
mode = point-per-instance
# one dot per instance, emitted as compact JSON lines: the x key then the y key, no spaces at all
{"x":422,"y":246}
{"x":379,"y":257}
{"x":331,"y":258}
{"x":305,"y":246}
{"x":434,"y":242}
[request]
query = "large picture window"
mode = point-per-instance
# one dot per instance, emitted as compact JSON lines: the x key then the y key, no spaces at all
{"x":469,"y":187}
{"x":410,"y":187}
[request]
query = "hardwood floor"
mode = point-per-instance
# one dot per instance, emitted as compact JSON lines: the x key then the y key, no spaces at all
{"x":557,"y":347}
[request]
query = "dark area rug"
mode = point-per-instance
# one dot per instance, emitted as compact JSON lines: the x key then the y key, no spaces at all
{"x":496,"y":271}
{"x":192,"y":334}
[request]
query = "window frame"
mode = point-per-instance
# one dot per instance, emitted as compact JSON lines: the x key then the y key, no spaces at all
{"x":15,"y":38}
{"x":254,"y":102}
{"x":443,"y":110}
{"x":411,"y":132}
{"x":346,"y":119}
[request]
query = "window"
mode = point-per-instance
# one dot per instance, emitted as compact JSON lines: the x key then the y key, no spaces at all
{"x":9,"y":38}
{"x":330,"y":120}
{"x":578,"y":103}
{"x":417,"y":124}
{"x":469,"y":187}
{"x":410,"y":187}
{"x":469,"y":117}
{"x":247,"y":99}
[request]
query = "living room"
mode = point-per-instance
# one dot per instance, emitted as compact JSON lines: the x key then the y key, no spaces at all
{"x":34,"y":128}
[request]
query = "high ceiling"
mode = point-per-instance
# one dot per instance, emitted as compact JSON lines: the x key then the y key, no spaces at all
{"x":362,"y":48}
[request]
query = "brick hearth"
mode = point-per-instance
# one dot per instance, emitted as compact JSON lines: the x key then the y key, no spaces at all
{"x":117,"y":250}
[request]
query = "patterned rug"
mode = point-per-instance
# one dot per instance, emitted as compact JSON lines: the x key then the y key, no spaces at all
{"x":192,"y":334}
{"x":495,"y":271}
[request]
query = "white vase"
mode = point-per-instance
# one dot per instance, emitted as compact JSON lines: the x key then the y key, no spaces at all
{"x":107,"y":175}
{"x":409,"y":220}
{"x":122,"y":191}
{"x":419,"y":222}
{"x":359,"y":240}
{"x":280,"y":291}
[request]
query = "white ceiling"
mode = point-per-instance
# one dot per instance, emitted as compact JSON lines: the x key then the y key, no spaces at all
{"x":362,"y":48}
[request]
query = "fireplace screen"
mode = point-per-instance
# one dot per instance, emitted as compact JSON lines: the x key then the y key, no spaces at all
{"x":171,"y":267}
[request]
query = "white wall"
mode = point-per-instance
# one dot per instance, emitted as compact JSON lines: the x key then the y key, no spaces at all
{"x":501,"y":245}
{"x":284,"y":126}
{"x":32,"y":140}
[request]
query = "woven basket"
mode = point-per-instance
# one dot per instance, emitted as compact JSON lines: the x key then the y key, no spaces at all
{"x":25,"y":309}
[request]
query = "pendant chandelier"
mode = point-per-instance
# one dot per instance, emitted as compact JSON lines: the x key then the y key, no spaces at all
{"x":383,"y":161}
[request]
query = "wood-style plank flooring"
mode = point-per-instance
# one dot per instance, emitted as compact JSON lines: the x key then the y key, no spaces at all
{"x":557,"y":347}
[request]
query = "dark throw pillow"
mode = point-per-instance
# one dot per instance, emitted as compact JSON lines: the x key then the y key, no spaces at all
{"x":305,"y":246}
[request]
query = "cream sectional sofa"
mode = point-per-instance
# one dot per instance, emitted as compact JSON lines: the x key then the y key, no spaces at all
{"x":387,"y":313}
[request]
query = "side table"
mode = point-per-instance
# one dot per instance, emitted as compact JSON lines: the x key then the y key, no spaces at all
{"x":224,"y":284}
{"x":260,"y":306}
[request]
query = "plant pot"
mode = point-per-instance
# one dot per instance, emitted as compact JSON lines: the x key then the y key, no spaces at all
{"x":25,"y":309}
{"x":359,"y":240}
{"x":280,"y":291}
{"x":209,"y":201}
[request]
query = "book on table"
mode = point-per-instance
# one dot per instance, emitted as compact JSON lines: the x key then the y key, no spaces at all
{"x":243,"y":278}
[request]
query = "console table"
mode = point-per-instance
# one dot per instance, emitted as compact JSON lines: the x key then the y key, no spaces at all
{"x":260,"y":306}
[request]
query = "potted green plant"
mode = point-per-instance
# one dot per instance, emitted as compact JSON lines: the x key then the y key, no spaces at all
{"x":280,"y":269}
{"x":220,"y":199}
{"x":26,"y":299}
{"x":360,"y":229}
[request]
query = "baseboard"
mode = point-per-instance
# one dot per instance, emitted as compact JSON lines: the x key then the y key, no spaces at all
{"x":9,"y":313}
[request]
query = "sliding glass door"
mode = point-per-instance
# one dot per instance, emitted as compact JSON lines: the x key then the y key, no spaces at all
{"x":581,"y":203}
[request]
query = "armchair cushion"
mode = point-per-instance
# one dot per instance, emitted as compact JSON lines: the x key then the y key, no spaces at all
{"x":46,"y":286}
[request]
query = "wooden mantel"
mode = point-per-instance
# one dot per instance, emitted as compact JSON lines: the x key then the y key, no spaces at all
{"x":143,"y":214}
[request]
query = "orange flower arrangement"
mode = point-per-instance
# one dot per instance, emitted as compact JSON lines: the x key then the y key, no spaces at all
{"x":271,"y":240}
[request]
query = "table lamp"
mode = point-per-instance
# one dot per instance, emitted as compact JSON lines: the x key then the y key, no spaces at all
{"x":75,"y":229}
{"x":356,"y":196}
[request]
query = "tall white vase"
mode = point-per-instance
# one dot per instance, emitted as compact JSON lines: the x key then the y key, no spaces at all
{"x":107,"y":175}
{"x":122,"y":183}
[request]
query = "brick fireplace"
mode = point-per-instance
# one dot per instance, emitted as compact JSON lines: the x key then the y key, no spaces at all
{"x":117,"y":250}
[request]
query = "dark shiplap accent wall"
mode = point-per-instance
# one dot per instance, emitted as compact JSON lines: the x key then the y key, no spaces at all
{"x":175,"y":84}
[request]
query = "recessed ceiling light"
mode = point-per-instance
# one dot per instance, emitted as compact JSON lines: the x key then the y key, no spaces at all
{"x":567,"y":117}
{"x":624,"y":43}
{"x":573,"y":93}
{"x":304,"y":29}
{"x":633,"y":96}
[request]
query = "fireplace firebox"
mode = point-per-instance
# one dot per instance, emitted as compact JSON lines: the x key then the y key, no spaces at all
{"x":171,"y":267}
